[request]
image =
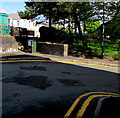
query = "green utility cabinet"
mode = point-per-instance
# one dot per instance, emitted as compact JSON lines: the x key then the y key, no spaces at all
{"x":33,"y":46}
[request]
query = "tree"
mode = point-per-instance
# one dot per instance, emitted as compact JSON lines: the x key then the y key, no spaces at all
{"x":82,"y":11}
{"x":23,"y":15}
{"x":92,"y":26}
{"x":34,"y":9}
{"x":109,"y":16}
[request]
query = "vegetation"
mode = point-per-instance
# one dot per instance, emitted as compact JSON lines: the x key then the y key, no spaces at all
{"x":92,"y":26}
{"x":94,"y":49}
{"x":99,"y":19}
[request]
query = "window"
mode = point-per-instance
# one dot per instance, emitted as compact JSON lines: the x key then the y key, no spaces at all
{"x":18,"y":23}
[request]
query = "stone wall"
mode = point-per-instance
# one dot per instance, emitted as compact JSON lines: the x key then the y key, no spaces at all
{"x":8,"y":44}
{"x":52,"y":48}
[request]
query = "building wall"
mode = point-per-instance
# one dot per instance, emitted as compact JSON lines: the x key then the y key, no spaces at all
{"x":28,"y":24}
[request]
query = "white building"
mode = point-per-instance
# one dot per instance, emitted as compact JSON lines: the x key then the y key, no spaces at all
{"x":31,"y":25}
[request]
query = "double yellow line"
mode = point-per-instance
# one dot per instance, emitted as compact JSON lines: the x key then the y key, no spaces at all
{"x":86,"y":102}
{"x":68,"y":62}
{"x":27,"y":61}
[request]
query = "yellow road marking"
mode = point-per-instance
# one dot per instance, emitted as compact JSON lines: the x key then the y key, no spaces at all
{"x":27,"y":61}
{"x":80,"y":97}
{"x":88,"y":64}
{"x":61,"y":62}
{"x":86,"y":103}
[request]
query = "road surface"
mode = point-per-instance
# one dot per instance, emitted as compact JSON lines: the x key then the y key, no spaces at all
{"x":39,"y":87}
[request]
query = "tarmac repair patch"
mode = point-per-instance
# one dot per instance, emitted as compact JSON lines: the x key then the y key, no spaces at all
{"x":71,"y":82}
{"x":40,"y":82}
{"x":40,"y":68}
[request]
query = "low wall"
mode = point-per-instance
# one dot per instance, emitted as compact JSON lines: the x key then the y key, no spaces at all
{"x":52,"y":48}
{"x":8,"y":44}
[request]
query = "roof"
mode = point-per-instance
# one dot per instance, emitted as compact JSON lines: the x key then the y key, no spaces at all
{"x":14,"y":16}
{"x":3,"y":12}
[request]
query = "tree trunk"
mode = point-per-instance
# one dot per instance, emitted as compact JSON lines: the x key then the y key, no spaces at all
{"x":75,"y":18}
{"x":75,"y":28}
{"x":49,"y":22}
{"x":50,"y":19}
{"x":84,"y":28}
{"x":64,"y":23}
{"x":80,"y":33}
{"x":79,"y":28}
{"x":70,"y":22}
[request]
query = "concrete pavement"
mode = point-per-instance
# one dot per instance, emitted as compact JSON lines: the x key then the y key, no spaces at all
{"x":81,"y":59}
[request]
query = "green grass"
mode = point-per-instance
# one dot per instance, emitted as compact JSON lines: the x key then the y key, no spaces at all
{"x":111,"y":48}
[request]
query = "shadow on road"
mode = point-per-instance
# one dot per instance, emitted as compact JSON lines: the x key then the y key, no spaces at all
{"x":23,"y":57}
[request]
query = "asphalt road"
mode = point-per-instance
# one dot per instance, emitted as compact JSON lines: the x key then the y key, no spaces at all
{"x":33,"y":89}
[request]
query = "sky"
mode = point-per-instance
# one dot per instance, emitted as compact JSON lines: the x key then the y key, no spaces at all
{"x":11,"y":7}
